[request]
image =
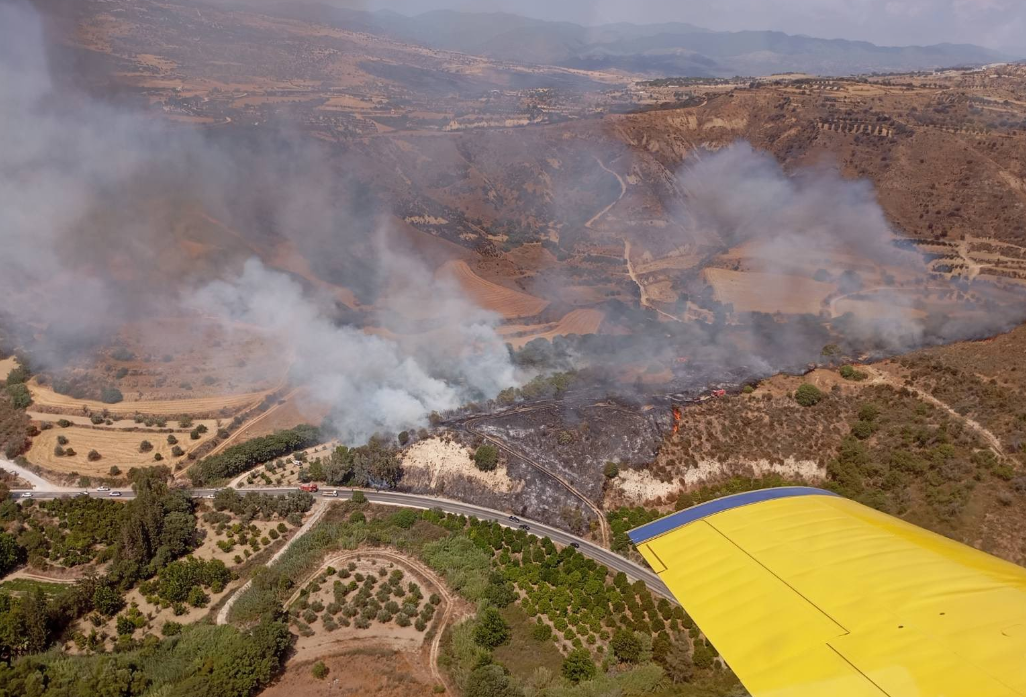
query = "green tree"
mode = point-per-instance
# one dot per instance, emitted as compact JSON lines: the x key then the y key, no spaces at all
{"x":11,"y":554}
{"x":578,"y":666}
{"x":20,"y":396}
{"x":611,"y":470}
{"x":107,"y":600}
{"x":491,"y":629}
{"x":500,"y":593}
{"x":626,"y":646}
{"x":808,"y":395}
{"x":486,"y":457}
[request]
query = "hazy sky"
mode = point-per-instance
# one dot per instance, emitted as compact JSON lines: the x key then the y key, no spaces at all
{"x":995,"y":23}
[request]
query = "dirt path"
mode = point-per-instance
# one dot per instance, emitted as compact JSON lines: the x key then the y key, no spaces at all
{"x":319,"y":509}
{"x":880,"y":377}
{"x":427,"y":574}
{"x":32,"y":478}
{"x":34,"y":576}
{"x":643,"y":301}
{"x":623,"y":190}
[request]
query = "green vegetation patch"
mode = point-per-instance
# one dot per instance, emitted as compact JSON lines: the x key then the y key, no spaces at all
{"x":239,"y":458}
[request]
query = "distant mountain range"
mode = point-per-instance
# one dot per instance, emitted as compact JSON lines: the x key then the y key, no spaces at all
{"x":671,"y":49}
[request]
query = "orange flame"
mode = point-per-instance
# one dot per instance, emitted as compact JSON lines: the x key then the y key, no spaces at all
{"x":676,"y":419}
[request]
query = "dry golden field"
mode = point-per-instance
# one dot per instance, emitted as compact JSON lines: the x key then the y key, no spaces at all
{"x":491,"y":296}
{"x":120,"y":448}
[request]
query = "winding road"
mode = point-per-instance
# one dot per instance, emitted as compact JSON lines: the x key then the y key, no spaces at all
{"x":589,"y":549}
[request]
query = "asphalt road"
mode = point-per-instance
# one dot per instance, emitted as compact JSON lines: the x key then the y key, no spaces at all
{"x":392,"y":498}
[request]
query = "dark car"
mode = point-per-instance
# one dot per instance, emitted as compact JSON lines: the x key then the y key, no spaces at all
{"x":575,"y":545}
{"x":514,"y":519}
{"x":525,"y":527}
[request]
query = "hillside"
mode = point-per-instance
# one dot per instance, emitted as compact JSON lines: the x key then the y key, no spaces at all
{"x":672,"y":48}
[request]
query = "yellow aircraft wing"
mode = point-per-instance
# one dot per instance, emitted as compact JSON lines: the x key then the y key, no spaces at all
{"x":807,"y":594}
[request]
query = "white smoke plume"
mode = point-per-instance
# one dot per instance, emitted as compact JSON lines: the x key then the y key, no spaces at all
{"x":79,"y":261}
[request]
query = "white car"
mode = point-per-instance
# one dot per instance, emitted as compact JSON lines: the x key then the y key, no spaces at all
{"x":209,"y":496}
{"x":333,"y":493}
{"x":115,"y":493}
{"x":27,"y":495}
{"x":103,"y":488}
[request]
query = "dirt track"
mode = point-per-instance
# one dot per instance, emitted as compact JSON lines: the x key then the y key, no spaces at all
{"x":426,"y":575}
{"x":880,"y":376}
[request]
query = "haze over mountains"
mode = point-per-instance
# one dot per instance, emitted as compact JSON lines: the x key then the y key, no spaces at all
{"x":666,"y":49}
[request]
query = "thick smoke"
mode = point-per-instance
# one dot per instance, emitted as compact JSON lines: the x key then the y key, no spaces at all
{"x":81,"y":250}
{"x":789,"y":225}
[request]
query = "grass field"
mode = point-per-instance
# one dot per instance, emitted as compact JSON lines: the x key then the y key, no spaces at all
{"x":766,"y":292}
{"x":120,"y":448}
{"x":524,"y":654}
{"x":491,"y":296}
{"x":583,"y":321}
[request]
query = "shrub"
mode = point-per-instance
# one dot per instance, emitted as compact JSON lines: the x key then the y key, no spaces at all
{"x":177,"y":451}
{"x":808,"y":395}
{"x":541,"y":632}
{"x":171,"y":440}
{"x":93,"y":456}
{"x":63,"y":423}
{"x":862,"y":429}
{"x":319,"y":670}
{"x":145,"y":446}
{"x":171,"y":628}
{"x":114,"y":471}
{"x":611,"y":470}
{"x":70,"y":452}
{"x":849,"y":373}
{"x":125,"y":625}
{"x":578,"y":666}
{"x":486,"y":457}
{"x":111,"y":395}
